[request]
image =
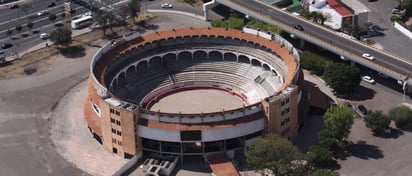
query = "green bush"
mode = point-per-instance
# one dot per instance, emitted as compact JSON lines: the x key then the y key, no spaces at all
{"x":402,"y":116}
{"x":395,"y":18}
{"x":219,"y":23}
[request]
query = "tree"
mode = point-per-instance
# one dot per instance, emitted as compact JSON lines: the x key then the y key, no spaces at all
{"x":26,"y":7}
{"x":123,"y":11}
{"x":19,"y":28}
{"x":52,"y":17}
{"x":61,"y":36}
{"x":344,"y":79}
{"x":324,"y":172}
{"x":339,"y":120}
{"x":402,"y":116}
{"x":377,"y":120}
{"x":274,"y":153}
{"x":134,"y":9}
{"x":328,"y":140}
{"x":407,"y":4}
{"x":9,"y":32}
{"x":104,"y":19}
{"x":29,"y":25}
{"x":318,"y":155}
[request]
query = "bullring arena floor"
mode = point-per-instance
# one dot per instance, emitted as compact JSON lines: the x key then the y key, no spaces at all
{"x":195,"y":101}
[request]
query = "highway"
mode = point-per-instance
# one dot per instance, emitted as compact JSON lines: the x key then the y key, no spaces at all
{"x":385,"y":62}
{"x":27,"y":38}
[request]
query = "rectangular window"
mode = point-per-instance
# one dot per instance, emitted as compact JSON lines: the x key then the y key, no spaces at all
{"x":282,"y":123}
{"x":287,"y":110}
{"x":287,"y":120}
{"x":287,"y":100}
{"x":118,"y":113}
{"x":114,"y":141}
{"x":111,"y":110}
{"x":119,"y":133}
{"x":113,"y":131}
{"x":118,"y":122}
{"x":282,"y":103}
{"x":112,"y":120}
{"x":283,"y":113}
{"x":120,"y":143}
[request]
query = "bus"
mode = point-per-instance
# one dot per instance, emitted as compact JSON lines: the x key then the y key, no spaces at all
{"x":82,"y":22}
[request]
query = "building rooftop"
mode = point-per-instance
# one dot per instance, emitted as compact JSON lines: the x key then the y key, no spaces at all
{"x":339,"y":8}
{"x":356,"y":6}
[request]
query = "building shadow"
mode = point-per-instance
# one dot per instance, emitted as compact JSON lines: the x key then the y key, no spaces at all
{"x":363,"y":150}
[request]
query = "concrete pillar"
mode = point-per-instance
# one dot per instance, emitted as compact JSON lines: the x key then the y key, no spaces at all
{"x":207,"y":7}
{"x":353,"y":64}
{"x":302,"y":44}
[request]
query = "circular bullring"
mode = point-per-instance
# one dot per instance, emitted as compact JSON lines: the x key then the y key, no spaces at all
{"x":139,"y":72}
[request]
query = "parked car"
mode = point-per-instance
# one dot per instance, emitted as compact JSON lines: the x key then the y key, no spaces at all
{"x":6,"y":45}
{"x":167,"y":5}
{"x":368,"y":56}
{"x":13,"y":6}
{"x":362,"y":109}
{"x":43,"y":12}
{"x":44,"y":36}
{"x":51,"y":4}
{"x":299,"y":27}
{"x":368,"y":79}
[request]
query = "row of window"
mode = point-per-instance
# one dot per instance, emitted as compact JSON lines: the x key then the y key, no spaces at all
{"x":114,"y":121}
{"x":118,"y":142}
{"x":285,"y":111}
{"x":285,"y":132}
{"x":285,"y":121}
{"x":114,"y":131}
{"x":286,"y":101}
{"x":112,"y":111}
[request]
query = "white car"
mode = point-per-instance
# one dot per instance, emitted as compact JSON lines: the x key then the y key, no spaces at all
{"x":368,"y":79}
{"x":43,"y":12}
{"x":368,"y":56}
{"x":167,"y":5}
{"x":44,"y":36}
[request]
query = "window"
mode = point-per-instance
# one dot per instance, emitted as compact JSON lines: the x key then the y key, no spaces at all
{"x":111,"y":110}
{"x":119,"y":133}
{"x":118,"y":113}
{"x":114,"y":150}
{"x":283,"y":113}
{"x":113,"y":131}
{"x":118,"y":122}
{"x":120,"y":143}
{"x":282,"y":103}
{"x":112,"y":120}
{"x":282,"y":123}
{"x":287,"y":120}
{"x":114,"y":141}
{"x":287,"y":100}
{"x":287,"y":110}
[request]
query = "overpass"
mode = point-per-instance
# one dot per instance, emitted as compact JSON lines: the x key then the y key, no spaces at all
{"x":388,"y":63}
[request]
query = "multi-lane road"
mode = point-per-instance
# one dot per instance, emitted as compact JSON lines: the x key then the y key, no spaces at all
{"x":386,"y":62}
{"x":27,"y":38}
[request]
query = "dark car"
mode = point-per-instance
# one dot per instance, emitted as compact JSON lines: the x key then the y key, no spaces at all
{"x":362,"y":109}
{"x":51,"y":4}
{"x":6,"y":45}
{"x":299,"y":27}
{"x":13,"y":6}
